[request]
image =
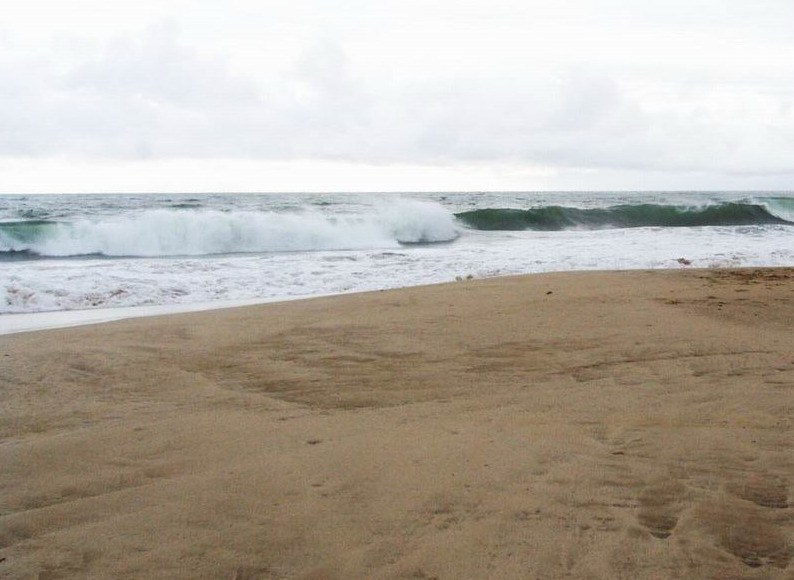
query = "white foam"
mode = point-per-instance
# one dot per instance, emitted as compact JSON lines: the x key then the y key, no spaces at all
{"x":47,"y":285}
{"x":419,"y":221}
{"x":169,"y":232}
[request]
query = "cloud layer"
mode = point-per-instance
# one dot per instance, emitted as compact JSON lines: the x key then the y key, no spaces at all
{"x":602,"y":87}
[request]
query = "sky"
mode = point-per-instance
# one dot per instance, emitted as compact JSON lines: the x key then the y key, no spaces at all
{"x":396,"y":95}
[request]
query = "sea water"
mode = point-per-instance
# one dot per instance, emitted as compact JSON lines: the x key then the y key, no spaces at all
{"x":87,"y":252}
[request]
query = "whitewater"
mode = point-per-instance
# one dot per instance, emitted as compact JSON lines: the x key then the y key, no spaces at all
{"x":86,"y":252}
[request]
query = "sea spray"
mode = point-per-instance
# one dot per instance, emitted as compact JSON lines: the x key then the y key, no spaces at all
{"x":414,"y":222}
{"x":196,"y":232}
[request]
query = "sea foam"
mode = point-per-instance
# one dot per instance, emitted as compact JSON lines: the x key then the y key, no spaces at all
{"x":195,"y":232}
{"x":162,"y":250}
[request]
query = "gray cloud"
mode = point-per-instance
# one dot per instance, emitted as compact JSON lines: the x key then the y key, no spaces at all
{"x":153,"y":96}
{"x":157,"y":69}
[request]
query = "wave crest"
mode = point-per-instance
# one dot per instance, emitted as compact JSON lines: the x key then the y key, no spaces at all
{"x":183,"y":232}
{"x":552,"y":218}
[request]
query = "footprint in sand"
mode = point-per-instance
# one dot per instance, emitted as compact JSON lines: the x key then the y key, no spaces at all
{"x":660,"y":505}
{"x":762,"y":489}
{"x":743,"y":530}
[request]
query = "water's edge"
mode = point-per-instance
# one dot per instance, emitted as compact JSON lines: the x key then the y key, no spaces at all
{"x":32,"y":321}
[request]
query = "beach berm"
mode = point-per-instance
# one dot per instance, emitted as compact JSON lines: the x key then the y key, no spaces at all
{"x":580,"y":425}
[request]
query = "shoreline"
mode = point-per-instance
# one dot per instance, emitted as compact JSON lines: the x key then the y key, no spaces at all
{"x":14,"y":323}
{"x":576,"y":424}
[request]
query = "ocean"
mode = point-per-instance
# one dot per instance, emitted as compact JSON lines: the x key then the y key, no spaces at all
{"x":83,"y":252}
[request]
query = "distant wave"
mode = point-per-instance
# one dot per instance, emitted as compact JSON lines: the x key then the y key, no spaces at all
{"x":193,"y":232}
{"x":552,"y":218}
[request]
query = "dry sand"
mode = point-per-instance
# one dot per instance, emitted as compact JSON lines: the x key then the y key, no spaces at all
{"x":585,"y":425}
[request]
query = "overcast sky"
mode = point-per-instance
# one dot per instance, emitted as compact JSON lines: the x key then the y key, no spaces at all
{"x":384,"y":95}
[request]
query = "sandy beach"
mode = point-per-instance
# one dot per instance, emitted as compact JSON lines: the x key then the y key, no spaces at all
{"x":581,"y":425}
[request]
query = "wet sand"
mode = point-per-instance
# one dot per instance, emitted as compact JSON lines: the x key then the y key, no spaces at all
{"x":585,"y":425}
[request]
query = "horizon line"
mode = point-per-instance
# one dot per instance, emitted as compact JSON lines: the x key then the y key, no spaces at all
{"x":397,"y":192}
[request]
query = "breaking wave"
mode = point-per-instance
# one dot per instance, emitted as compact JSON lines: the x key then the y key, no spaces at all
{"x":551,"y":218}
{"x":193,"y":232}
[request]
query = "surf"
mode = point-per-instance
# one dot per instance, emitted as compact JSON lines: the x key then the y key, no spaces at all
{"x":197,"y":232}
{"x":556,"y":217}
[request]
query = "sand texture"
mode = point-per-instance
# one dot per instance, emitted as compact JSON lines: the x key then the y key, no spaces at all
{"x":581,"y":425}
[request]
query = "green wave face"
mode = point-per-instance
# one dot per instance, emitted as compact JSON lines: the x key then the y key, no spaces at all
{"x":782,"y":207}
{"x":26,"y":231}
{"x":553,"y":218}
